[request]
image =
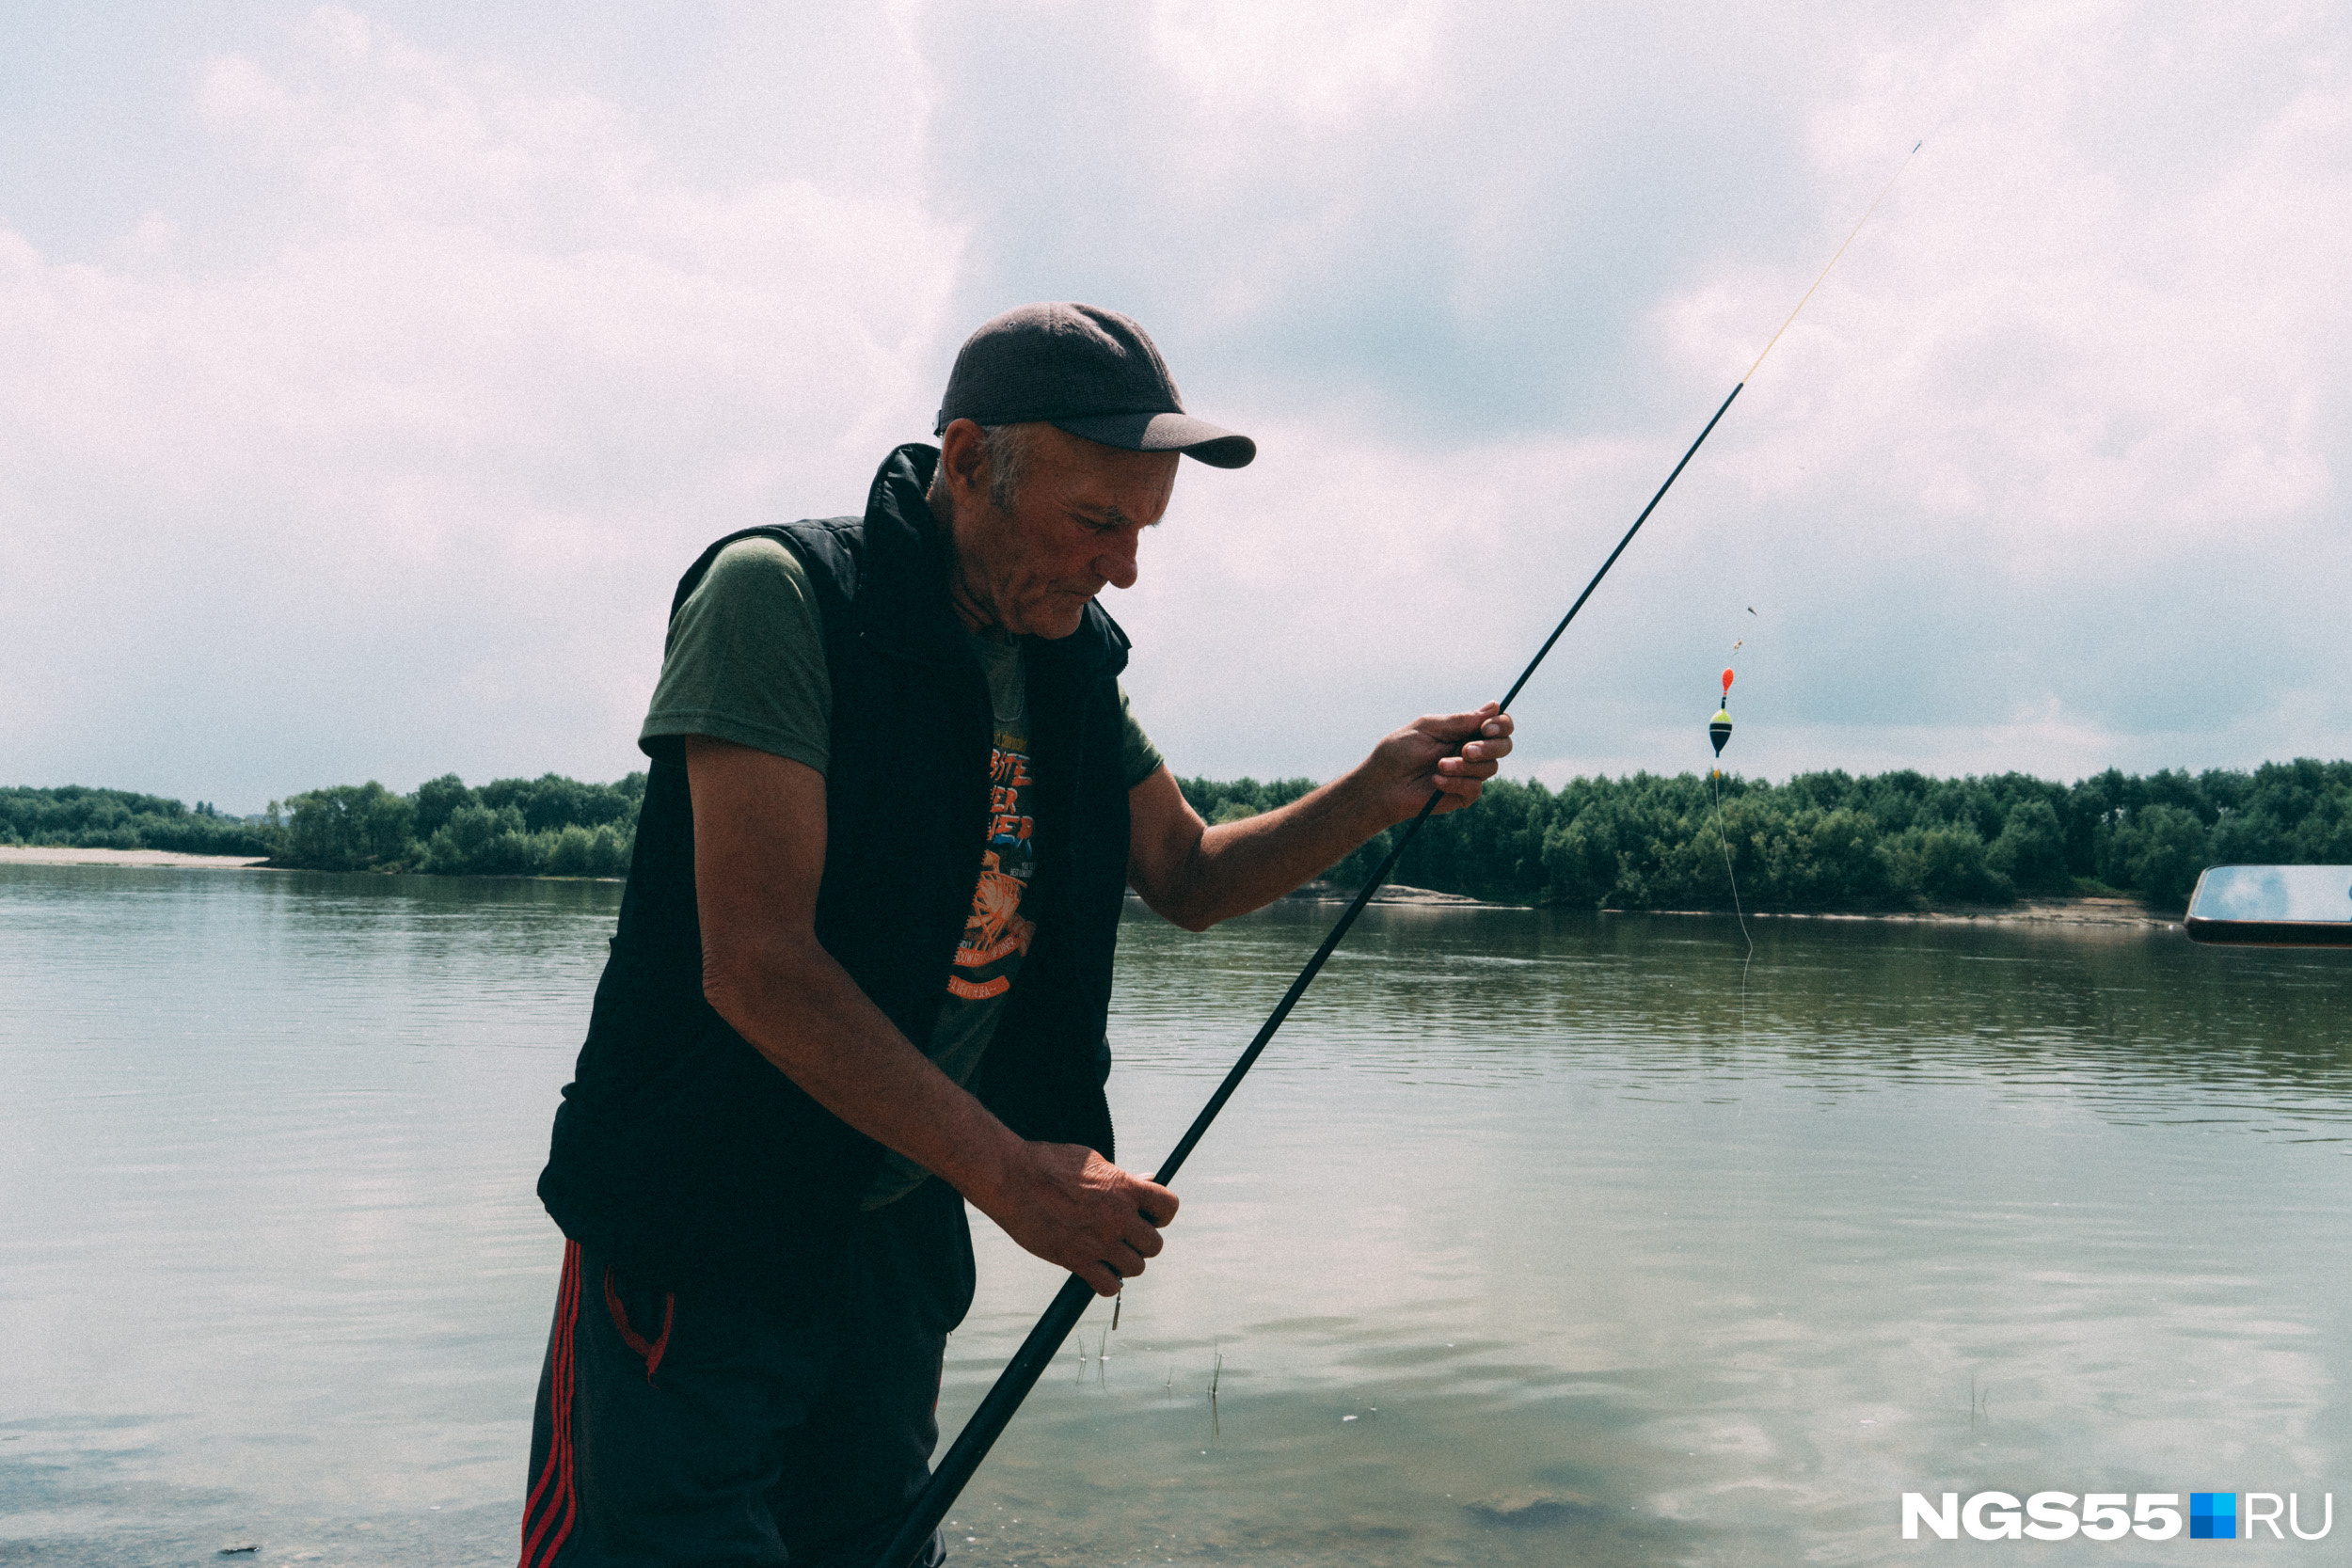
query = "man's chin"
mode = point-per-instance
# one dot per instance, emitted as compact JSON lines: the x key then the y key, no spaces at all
{"x":1065,"y":614}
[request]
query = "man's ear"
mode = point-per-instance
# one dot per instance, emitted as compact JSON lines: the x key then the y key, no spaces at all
{"x":963,"y":461}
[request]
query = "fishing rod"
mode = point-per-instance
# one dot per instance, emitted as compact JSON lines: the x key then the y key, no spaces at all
{"x":1070,"y":1302}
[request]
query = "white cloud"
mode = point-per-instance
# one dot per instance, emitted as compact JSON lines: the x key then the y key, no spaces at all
{"x":375,"y":453}
{"x":2065,"y":346}
{"x":1320,"y":62}
{"x":406,"y":492}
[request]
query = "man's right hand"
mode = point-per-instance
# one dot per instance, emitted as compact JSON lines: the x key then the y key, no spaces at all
{"x":1071,"y":1207}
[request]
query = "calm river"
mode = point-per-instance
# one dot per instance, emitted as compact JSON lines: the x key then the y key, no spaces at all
{"x":1534,"y":1240}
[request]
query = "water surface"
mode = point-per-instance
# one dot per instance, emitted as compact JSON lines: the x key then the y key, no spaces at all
{"x":1535,"y":1239}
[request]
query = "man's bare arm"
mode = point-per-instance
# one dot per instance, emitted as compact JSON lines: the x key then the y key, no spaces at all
{"x":1196,"y":875}
{"x":760,"y":854}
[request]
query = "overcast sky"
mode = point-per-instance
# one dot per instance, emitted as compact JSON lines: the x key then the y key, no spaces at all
{"x":369,"y":374}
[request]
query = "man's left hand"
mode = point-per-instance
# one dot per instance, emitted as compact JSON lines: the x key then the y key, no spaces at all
{"x":1453,"y":752}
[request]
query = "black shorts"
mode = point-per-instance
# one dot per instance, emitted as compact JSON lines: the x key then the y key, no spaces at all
{"x":677,"y":1429}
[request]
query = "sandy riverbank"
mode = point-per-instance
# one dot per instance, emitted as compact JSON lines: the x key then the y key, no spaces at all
{"x":2123,"y":912}
{"x":2048,"y":912}
{"x":1326,"y":892}
{"x":28,"y":854}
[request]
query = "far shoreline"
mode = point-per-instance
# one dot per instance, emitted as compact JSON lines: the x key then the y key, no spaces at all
{"x":2091,"y":912}
{"x":2088,"y":912}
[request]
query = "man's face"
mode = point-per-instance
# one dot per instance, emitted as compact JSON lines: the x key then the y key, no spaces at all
{"x":1074,"y":524}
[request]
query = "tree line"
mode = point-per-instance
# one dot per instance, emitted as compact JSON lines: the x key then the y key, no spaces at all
{"x":551,"y":826}
{"x":1830,"y":841}
{"x":78,"y":816}
{"x":1825,"y":841}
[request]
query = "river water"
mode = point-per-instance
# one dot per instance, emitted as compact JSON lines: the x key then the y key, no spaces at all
{"x":1535,"y":1239}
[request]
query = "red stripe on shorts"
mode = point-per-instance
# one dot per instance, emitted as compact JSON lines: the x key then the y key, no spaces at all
{"x":553,"y":1503}
{"x":650,"y":1353}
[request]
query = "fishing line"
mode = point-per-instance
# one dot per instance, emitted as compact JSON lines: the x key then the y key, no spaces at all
{"x":1722,"y":838}
{"x":1841,"y":250}
{"x":1036,"y":1352}
{"x":1719,"y":732}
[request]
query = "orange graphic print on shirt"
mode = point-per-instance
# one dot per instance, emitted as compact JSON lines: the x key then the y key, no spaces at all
{"x":995,"y":932}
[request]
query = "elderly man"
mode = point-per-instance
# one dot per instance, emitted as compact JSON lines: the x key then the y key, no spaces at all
{"x":864,"y":963}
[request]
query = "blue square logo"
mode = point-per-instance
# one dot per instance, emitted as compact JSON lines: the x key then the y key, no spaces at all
{"x":2212,"y":1516}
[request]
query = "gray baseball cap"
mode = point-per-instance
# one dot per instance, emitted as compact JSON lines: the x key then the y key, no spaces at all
{"x":1090,"y":371}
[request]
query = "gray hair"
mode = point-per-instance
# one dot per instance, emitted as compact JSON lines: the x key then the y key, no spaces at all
{"x":1007,"y":447}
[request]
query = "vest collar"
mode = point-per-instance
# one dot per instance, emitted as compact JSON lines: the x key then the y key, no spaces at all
{"x":904,"y":600}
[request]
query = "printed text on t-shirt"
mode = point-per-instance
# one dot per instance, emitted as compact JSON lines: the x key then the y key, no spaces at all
{"x":996,"y":929}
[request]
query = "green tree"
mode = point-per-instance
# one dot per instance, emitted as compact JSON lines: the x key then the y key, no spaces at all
{"x":440,"y":799}
{"x":1947,"y":864}
{"x":1580,"y":860}
{"x":479,"y":841}
{"x":2244,"y":837}
{"x":2155,"y":851}
{"x":578,"y":851}
{"x":2030,"y":852}
{"x":349,"y":828}
{"x":2172,"y":847}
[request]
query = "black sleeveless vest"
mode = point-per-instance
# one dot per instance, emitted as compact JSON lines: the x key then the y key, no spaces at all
{"x":682,"y":1153}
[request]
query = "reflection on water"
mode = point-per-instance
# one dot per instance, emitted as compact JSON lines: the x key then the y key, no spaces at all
{"x":1534,"y":1238}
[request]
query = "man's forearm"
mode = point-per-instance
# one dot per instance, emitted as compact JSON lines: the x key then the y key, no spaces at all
{"x":798,"y":1008}
{"x":1197,"y":875}
{"x":760,"y":853}
{"x":1244,"y":865}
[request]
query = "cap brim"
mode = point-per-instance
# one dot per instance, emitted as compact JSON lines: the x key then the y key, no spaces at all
{"x":1218,"y":447}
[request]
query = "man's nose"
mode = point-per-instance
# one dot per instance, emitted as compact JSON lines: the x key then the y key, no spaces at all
{"x":1116,"y":562}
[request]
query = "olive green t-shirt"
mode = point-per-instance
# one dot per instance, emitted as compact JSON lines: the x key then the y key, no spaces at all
{"x":745,"y":663}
